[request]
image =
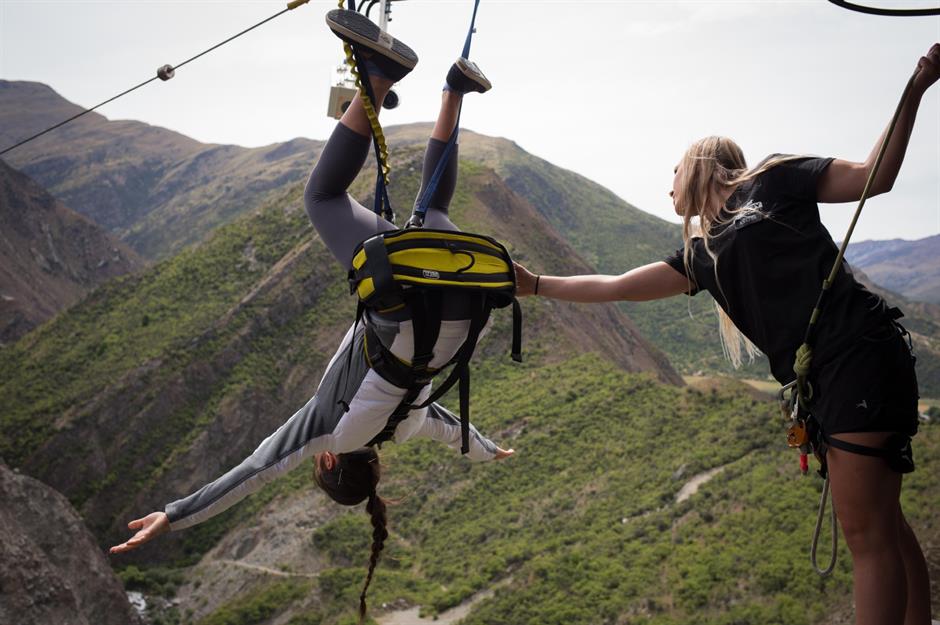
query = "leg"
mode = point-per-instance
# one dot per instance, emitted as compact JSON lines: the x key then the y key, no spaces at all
{"x":865,"y":493}
{"x":463,"y":77}
{"x":918,"y":580}
{"x":439,"y":202}
{"x":341,"y":222}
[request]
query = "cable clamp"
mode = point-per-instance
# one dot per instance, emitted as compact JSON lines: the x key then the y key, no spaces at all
{"x":166,"y":72}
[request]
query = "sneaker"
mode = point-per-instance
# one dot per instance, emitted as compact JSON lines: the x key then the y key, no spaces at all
{"x":464,"y":76}
{"x":393,"y":58}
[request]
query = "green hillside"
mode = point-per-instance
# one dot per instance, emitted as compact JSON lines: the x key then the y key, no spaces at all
{"x":582,"y":525}
{"x":158,"y":382}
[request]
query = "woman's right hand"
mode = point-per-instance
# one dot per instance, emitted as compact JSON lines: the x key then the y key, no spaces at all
{"x":148,"y":528}
{"x":928,"y":69}
{"x":503,"y":453}
{"x":525,"y":280}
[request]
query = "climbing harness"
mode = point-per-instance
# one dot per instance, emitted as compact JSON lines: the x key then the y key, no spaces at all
{"x":804,"y":432}
{"x":414,"y":269}
{"x":860,"y":8}
{"x":164,"y":73}
{"x":422,"y":205}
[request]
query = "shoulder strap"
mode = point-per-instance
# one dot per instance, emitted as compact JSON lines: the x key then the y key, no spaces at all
{"x":461,"y":372}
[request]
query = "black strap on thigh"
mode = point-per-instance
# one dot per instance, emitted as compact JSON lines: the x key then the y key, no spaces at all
{"x":897,"y":451}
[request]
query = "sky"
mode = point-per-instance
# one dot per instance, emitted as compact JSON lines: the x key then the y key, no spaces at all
{"x":615,"y":90}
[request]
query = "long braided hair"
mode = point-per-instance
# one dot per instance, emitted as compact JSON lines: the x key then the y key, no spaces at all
{"x":352,"y":480}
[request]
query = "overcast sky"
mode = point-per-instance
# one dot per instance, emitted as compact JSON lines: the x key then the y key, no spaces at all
{"x":612,"y":89}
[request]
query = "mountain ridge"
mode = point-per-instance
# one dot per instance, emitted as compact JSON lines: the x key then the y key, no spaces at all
{"x":50,"y":256}
{"x":910,"y":268}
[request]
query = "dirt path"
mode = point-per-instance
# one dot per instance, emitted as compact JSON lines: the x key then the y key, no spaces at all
{"x":691,"y":487}
{"x":264,"y":569}
{"x":448,"y":617}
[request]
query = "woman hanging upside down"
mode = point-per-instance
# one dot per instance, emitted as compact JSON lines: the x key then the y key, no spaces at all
{"x":351,"y":409}
{"x":761,"y":251}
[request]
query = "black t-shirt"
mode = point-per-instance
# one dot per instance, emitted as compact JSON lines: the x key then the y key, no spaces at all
{"x":771,"y":265}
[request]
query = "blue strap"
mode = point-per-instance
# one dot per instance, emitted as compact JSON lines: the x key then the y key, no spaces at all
{"x":421,"y":208}
{"x":473,"y":20}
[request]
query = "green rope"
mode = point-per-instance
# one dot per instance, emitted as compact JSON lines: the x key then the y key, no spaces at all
{"x":804,"y":354}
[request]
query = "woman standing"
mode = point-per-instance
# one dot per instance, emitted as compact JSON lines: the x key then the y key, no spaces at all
{"x":753,"y":239}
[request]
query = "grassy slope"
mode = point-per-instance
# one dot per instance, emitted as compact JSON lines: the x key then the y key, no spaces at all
{"x":581,"y":525}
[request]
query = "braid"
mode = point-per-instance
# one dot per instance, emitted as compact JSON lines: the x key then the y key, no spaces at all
{"x":376,"y":510}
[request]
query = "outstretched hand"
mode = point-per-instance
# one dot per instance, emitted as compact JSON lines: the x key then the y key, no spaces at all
{"x":148,"y":528}
{"x":503,"y":453}
{"x":928,"y":68}
{"x":525,"y":280}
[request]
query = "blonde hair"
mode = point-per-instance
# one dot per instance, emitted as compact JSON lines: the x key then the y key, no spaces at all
{"x":709,"y":168}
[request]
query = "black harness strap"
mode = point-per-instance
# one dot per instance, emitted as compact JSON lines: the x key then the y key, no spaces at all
{"x":461,"y":372}
{"x":381,"y":274}
{"x":897,"y":451}
{"x":516,"y":331}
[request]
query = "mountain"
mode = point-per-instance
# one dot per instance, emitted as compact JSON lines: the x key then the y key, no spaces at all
{"x":911,"y":268}
{"x":50,"y":256}
{"x":51,"y":569}
{"x":154,"y":384}
{"x":158,"y":382}
{"x":154,"y":188}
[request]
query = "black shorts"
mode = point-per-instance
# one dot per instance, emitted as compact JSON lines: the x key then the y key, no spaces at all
{"x":870,"y":387}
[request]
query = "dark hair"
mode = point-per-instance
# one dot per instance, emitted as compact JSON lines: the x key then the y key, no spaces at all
{"x":352,"y":480}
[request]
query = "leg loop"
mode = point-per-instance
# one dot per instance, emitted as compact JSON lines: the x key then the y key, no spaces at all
{"x":896,"y":452}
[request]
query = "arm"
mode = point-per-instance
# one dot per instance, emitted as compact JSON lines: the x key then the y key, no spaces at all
{"x":444,"y":426}
{"x":843,"y":181}
{"x":277,"y":454}
{"x":649,"y":282}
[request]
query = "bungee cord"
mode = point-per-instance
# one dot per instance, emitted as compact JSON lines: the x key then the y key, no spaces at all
{"x":164,"y":73}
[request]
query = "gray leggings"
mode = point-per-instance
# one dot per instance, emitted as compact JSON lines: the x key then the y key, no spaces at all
{"x":342,"y":222}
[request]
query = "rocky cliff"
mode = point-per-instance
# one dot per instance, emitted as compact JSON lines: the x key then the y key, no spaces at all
{"x":51,"y":568}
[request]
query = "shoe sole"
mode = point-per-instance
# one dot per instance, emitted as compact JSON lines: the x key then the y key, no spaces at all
{"x":357,"y":29}
{"x":473,"y":73}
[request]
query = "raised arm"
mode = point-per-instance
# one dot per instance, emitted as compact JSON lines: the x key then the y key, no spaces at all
{"x":843,"y":181}
{"x":649,"y":282}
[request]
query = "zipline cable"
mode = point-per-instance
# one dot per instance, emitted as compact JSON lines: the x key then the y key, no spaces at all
{"x":860,"y":8}
{"x":164,"y":73}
